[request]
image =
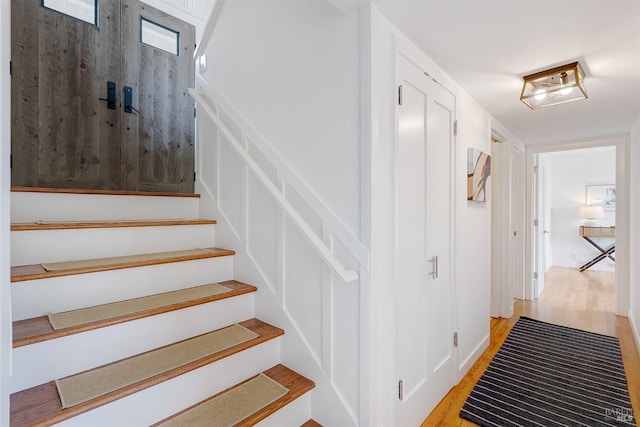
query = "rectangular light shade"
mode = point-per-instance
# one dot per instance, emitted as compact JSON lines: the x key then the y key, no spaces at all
{"x":555,"y":86}
{"x":592,"y":212}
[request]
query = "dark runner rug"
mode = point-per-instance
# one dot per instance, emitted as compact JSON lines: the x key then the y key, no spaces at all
{"x":549,"y":375}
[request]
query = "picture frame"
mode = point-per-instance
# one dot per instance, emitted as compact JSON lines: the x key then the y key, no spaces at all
{"x":478,"y":174}
{"x":601,"y":195}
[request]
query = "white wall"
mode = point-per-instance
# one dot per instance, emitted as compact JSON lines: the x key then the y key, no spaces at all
{"x":379,"y":83}
{"x":286,"y":77}
{"x":569,"y":173}
{"x":291,"y":67}
{"x":634,"y":276}
{"x":473,"y":238}
{"x":5,"y":182}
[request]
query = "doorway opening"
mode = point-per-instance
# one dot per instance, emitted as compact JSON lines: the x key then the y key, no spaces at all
{"x":572,"y":268}
{"x":562,"y":179}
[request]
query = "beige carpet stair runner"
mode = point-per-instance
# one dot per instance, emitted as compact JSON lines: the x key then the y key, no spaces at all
{"x":230,"y":407}
{"x":101,"y":262}
{"x":83,"y":316}
{"x":101,"y":221}
{"x":91,"y":384}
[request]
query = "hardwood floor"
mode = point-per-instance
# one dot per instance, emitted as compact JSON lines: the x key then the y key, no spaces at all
{"x":570,"y":298}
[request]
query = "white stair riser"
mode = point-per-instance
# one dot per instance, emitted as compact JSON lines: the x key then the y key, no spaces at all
{"x":49,"y":360}
{"x":156,"y":403}
{"x":33,"y":298}
{"x":295,"y":413}
{"x":38,"y":246}
{"x":32,"y":207}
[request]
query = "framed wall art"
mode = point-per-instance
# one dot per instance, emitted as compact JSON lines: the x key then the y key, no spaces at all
{"x":601,"y":195}
{"x":478,"y":173}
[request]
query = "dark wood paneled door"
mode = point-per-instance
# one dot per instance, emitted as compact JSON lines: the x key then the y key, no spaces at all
{"x":158,"y":139}
{"x":62,"y":134}
{"x":65,"y":133}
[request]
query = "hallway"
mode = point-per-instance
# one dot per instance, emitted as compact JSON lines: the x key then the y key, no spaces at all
{"x":579,"y":300}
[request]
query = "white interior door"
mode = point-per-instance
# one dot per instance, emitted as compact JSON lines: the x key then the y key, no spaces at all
{"x":539,"y":227}
{"x":547,"y":201}
{"x":517,"y":219}
{"x":423,"y":256}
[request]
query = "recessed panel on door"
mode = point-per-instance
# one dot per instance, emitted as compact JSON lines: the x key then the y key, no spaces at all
{"x":411,"y":275}
{"x":439,"y":222}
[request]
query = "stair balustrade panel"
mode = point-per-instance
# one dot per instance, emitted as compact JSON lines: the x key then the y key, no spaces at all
{"x":308,"y":259}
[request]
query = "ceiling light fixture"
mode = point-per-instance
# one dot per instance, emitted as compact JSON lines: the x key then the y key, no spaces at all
{"x":554,"y":86}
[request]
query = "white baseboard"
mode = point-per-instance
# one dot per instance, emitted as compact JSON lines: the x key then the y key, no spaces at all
{"x":466,"y":364}
{"x":635,"y":330}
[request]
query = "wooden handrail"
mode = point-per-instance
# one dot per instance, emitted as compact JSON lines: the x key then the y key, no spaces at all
{"x":346,"y":275}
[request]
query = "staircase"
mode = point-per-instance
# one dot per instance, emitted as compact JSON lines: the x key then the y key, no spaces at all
{"x":146,"y":285}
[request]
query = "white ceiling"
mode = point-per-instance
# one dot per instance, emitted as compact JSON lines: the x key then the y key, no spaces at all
{"x":486,"y":46}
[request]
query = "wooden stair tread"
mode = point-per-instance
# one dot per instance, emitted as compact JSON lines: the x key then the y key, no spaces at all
{"x":107,"y":192}
{"x":107,"y":224}
{"x":36,"y":271}
{"x":40,"y":405}
{"x":38,"y":329}
{"x":311,"y":423}
{"x":296,"y":383}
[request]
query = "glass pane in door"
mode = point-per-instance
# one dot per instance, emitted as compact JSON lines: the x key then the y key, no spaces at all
{"x":85,"y":10}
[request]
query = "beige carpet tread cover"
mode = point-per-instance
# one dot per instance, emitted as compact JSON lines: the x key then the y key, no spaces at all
{"x":97,"y":382}
{"x":101,"y":262}
{"x":232,"y":406}
{"x":83,"y":316}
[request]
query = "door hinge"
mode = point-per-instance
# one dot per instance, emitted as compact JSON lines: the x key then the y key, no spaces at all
{"x":535,"y":169}
{"x":10,"y":161}
{"x":535,"y":222}
{"x":194,"y":112}
{"x":400,"y":390}
{"x":455,"y":339}
{"x":194,"y":177}
{"x":10,"y":68}
{"x":535,"y":275}
{"x":455,"y":127}
{"x":400,"y":95}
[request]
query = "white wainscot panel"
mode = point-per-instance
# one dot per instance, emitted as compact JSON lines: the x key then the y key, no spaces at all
{"x":303,"y":209}
{"x":267,"y":167}
{"x":303,"y":286}
{"x":346,"y":343}
{"x":262,"y":230}
{"x":231,"y":125}
{"x":231,"y":182}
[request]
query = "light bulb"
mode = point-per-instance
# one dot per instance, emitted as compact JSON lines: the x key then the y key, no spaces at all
{"x":540,"y":94}
{"x":565,"y":91}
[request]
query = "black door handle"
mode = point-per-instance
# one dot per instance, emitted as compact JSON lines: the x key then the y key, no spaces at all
{"x":111,"y":96}
{"x":128,"y":95}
